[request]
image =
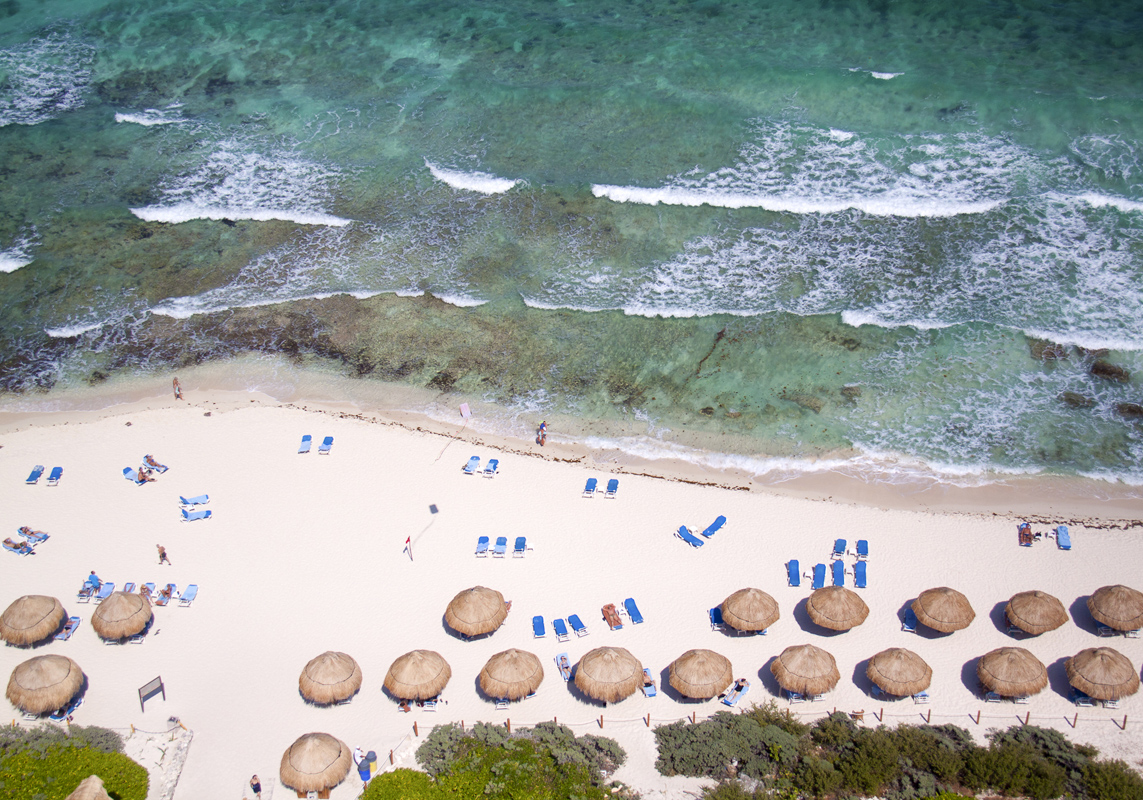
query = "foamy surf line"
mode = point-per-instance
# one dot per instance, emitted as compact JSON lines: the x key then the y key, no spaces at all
{"x":10,"y":261}
{"x":888,"y":207}
{"x":185,"y":212}
{"x":186,"y":307}
{"x":1102,"y":201}
{"x":480,"y":182}
{"x":148,"y":118}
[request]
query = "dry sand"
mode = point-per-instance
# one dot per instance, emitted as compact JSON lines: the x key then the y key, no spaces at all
{"x":305,"y":553}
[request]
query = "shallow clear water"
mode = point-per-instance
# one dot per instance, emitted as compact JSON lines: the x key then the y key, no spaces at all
{"x":819,"y":228}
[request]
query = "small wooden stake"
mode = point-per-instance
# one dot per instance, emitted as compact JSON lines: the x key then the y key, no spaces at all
{"x":555,"y":721}
{"x":415,"y":731}
{"x":694,"y":714}
{"x":1072,"y":721}
{"x":1124,"y":725}
{"x":601,"y":720}
{"x":390,"y":757}
{"x":929,"y":716}
{"x":1027,"y":717}
{"x":881,"y":716}
{"x":977,"y":720}
{"x":648,"y":720}
{"x":508,"y":725}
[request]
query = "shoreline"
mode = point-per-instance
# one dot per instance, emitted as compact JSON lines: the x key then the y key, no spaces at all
{"x":1055,"y":499}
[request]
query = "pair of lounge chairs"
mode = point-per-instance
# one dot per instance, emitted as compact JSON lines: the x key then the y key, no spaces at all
{"x":920,"y":698}
{"x":472,"y":467}
{"x":38,"y":471}
{"x":19,"y":548}
{"x":323,"y":448}
{"x":1104,"y":630}
{"x":87,"y":592}
{"x":561,"y":628}
{"x":589,"y":490}
{"x":798,"y":697}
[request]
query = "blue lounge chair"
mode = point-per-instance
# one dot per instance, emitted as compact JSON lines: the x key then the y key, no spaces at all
{"x":538,"y":630}
{"x":132,"y":475}
{"x":304,"y":447}
{"x":633,"y":611}
{"x":150,"y":587}
{"x":128,"y":588}
{"x":715,"y":615}
{"x":859,"y":574}
{"x":501,"y":547}
{"x":838,"y":569}
{"x":563,"y":665}
{"x":1081,"y":698}
{"x":688,"y":537}
{"x":68,"y":629}
{"x":60,"y":714}
{"x":794,"y":697}
{"x":577,"y":626}
{"x":838,"y":548}
{"x":921,"y":698}
{"x":519,"y":547}
{"x":188,"y":595}
{"x":54,"y":476}
{"x":909,"y":623}
{"x":589,"y":489}
{"x":862,"y":549}
{"x":20,"y":549}
{"x":612,"y":488}
{"x":735,"y":693}
{"x":561,"y":629}
{"x":819,"y":576}
{"x":150,"y":463}
{"x":325,"y":446}
{"x":201,"y":500}
{"x":793,"y":572}
{"x":482,"y":547}
{"x":649,"y":689}
{"x":36,"y":473}
{"x":191,"y":516}
{"x":714,"y":527}
{"x":490,"y":470}
{"x":473,"y":466}
{"x":166,"y":595}
{"x":104,"y":592}
{"x":34,"y":537}
{"x":1063,"y":538}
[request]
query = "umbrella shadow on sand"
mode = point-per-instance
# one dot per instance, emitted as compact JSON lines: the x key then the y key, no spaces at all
{"x":998,"y":617}
{"x":1081,"y":615}
{"x":769,"y":682}
{"x":1058,"y":677}
{"x":861,"y":679}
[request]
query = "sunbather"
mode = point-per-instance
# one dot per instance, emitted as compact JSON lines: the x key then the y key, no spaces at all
{"x":144,"y":475}
{"x":149,"y":461}
{"x":165,"y":595}
{"x":23,"y":548}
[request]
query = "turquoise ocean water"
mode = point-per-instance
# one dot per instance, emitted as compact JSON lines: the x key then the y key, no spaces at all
{"x":902,"y":234}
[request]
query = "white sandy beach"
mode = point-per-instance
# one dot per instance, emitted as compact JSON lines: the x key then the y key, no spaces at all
{"x":305,"y":554}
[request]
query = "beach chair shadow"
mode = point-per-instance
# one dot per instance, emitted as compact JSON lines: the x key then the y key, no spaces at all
{"x":768,"y":681}
{"x":1058,"y":678}
{"x":665,"y":688}
{"x":1082,"y":617}
{"x":802,"y":617}
{"x":923,"y":630}
{"x":860,"y":679}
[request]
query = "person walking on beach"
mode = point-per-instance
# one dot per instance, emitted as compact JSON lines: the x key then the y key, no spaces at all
{"x":163,"y":555}
{"x":178,"y":393}
{"x":542,"y":434}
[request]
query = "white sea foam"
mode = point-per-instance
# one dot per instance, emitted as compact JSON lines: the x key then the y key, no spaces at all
{"x":473,"y":181}
{"x":44,"y":78}
{"x":886,"y":76}
{"x":458,"y":300}
{"x":1102,"y":201}
{"x":151,"y":117}
{"x":186,"y":307}
{"x":857,"y":318}
{"x":12,"y":260}
{"x":233,"y":180}
{"x":68,"y":331}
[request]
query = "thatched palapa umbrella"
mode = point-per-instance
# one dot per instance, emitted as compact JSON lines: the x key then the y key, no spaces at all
{"x":121,"y":615}
{"x":44,"y":683}
{"x":418,"y":675}
{"x":1118,"y":607}
{"x":90,"y":788}
{"x":512,"y":674}
{"x":701,"y":674}
{"x":1011,"y":672}
{"x":1035,"y":612}
{"x":750,"y":610}
{"x":805,"y":669}
{"x":30,"y":619}
{"x":943,"y":609}
{"x":1102,"y":673}
{"x":899,"y":672}
{"x":609,"y":674}
{"x":476,"y":611}
{"x":316,"y":762}
{"x":836,"y":608}
{"x":330,"y":678}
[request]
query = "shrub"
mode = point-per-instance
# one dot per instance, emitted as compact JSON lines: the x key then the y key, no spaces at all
{"x":1112,"y":780}
{"x":1014,"y":768}
{"x":931,"y":750}
{"x":403,"y":784}
{"x":443,"y":743}
{"x":816,"y":776}
{"x":54,"y":773}
{"x":695,"y":750}
{"x":519,"y":769}
{"x":728,"y":790}
{"x":871,"y":762}
{"x":835,"y":731}
{"x":770,"y":714}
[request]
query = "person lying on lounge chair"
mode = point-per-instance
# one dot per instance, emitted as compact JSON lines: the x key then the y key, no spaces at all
{"x":150,"y":461}
{"x":165,"y":595}
{"x":23,"y":548}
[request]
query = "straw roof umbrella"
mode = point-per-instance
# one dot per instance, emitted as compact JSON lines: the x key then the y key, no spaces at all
{"x":899,"y":672}
{"x":1011,"y":672}
{"x":315,"y":762}
{"x":1102,"y":673}
{"x":30,"y":619}
{"x":701,"y":674}
{"x":476,"y":611}
{"x":330,"y":678}
{"x":1035,"y":612}
{"x":121,"y":614}
{"x":750,"y":610}
{"x":1119,"y":607}
{"x":805,"y":669}
{"x":609,"y":674}
{"x":513,"y":674}
{"x":44,"y":683}
{"x":836,"y":608}
{"x":943,"y":609}
{"x":90,"y":788}
{"x":418,"y":675}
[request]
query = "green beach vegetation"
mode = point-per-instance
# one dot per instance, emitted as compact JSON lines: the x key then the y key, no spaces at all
{"x":540,"y":763}
{"x":48,"y":763}
{"x":764,"y":753}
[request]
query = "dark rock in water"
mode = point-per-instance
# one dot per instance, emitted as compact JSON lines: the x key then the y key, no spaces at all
{"x":1102,"y":369}
{"x":97,"y":377}
{"x":733,"y":413}
{"x":443,"y":381}
{"x":1129,"y":410}
{"x":851,"y":392}
{"x":707,"y":412}
{"x":1086,"y":353}
{"x":1043,"y":350}
{"x":1076,"y":400}
{"x":805,"y":401}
